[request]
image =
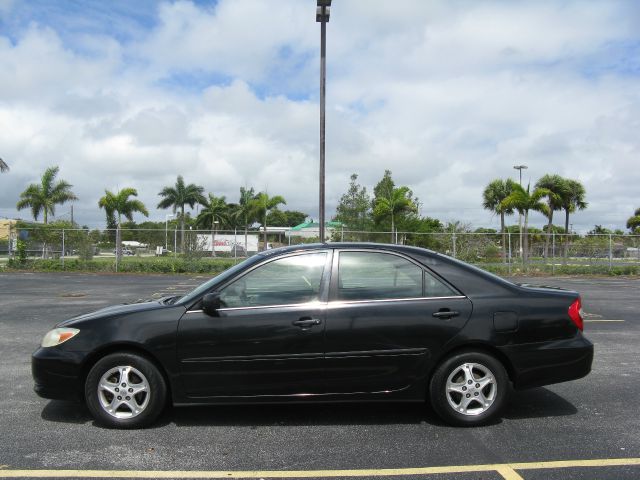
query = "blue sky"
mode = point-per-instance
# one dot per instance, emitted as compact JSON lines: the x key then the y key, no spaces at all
{"x":447,"y":94}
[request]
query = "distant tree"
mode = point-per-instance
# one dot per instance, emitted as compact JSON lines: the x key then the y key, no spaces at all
{"x":119,"y":203}
{"x":215,"y":212}
{"x":599,"y":230}
{"x":633,"y":223}
{"x":3,"y":166}
{"x":390,"y":204}
{"x":492,"y":199}
{"x":384,"y":187}
{"x":422,"y":232}
{"x":286,"y":218}
{"x":573,"y":199}
{"x":148,"y":232}
{"x":556,"y":185}
{"x":524,"y":201}
{"x":245,"y":211}
{"x":354,"y":207}
{"x":263,"y":204}
{"x":43,"y":197}
{"x":178,"y":196}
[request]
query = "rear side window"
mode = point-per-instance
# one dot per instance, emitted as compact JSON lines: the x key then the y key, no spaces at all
{"x":377,"y":276}
{"x":434,"y":287}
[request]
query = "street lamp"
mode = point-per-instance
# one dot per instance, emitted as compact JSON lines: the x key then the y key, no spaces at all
{"x":520,"y":168}
{"x":322,"y":16}
{"x":166,"y":224}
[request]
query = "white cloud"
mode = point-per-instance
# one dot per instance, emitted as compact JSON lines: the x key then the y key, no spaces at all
{"x":446,"y":95}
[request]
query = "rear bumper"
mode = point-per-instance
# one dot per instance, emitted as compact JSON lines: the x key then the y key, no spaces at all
{"x":57,"y":374}
{"x":544,"y":363}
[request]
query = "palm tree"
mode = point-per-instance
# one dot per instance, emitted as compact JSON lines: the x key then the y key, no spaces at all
{"x":393,"y":203}
{"x":262,"y":205}
{"x":3,"y":166}
{"x":121,"y":204}
{"x":245,"y":211}
{"x":215,"y":211}
{"x":45,"y":196}
{"x":556,"y":185}
{"x":492,"y":199}
{"x":523,"y":201}
{"x":180,"y":195}
{"x":573,"y":199}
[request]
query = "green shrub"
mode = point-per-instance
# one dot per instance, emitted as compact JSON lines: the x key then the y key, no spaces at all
{"x":129,"y":265}
{"x":517,"y":269}
{"x":21,"y":250}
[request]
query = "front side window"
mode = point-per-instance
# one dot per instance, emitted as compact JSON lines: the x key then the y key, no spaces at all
{"x":377,"y":276}
{"x":286,"y":281}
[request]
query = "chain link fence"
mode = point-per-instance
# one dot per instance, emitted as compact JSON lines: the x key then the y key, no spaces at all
{"x":174,"y":250}
{"x":512,"y":252}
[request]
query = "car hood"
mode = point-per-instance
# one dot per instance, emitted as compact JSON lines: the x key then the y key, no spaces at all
{"x":116,"y":311}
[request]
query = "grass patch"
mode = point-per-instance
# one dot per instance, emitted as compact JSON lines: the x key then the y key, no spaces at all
{"x":126,"y":265}
{"x":548,"y":270}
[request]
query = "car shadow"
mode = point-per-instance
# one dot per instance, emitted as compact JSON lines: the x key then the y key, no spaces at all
{"x":308,"y":414}
{"x":537,"y":403}
{"x":66,"y":412}
{"x":533,"y":403}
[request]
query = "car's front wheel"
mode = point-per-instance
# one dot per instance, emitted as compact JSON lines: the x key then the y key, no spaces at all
{"x":469,"y":388}
{"x":125,"y":390}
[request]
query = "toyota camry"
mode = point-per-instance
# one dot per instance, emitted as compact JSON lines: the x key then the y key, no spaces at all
{"x":321,"y":323}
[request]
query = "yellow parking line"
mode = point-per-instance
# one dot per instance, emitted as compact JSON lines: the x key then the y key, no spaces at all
{"x":603,"y":462}
{"x":508,"y":473}
{"x":507,"y":470}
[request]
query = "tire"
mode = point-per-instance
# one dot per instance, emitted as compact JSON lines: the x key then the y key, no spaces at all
{"x":125,"y":390}
{"x":469,"y":389}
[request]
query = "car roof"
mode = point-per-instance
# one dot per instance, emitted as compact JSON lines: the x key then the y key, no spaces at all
{"x":350,"y":245}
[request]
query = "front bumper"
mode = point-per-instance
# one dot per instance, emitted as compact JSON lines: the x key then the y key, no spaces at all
{"x":544,"y":363}
{"x":57,"y":374}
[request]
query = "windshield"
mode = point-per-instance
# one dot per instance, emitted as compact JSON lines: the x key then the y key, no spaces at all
{"x":221,"y":277}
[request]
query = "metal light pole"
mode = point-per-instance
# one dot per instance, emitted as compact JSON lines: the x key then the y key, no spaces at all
{"x":520,"y":168}
{"x":166,"y":225}
{"x":322,"y":16}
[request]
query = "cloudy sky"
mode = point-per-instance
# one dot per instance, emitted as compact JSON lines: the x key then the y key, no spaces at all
{"x":447,"y":94}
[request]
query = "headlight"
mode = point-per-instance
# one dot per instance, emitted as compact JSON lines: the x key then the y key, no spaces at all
{"x":58,"y":336}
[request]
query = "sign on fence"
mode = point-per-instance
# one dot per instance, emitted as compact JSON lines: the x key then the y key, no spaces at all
{"x":225,"y":243}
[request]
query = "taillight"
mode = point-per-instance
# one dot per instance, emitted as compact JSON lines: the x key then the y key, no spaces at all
{"x":575,"y":313}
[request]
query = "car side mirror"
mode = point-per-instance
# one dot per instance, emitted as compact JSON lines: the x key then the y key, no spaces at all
{"x":211,"y":303}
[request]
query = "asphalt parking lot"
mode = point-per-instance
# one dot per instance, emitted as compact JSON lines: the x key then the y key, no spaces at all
{"x":591,"y":426}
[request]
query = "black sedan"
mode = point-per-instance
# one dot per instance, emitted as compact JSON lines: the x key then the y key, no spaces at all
{"x":326,"y":322}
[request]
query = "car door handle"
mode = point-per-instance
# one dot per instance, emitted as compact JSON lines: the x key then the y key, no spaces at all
{"x":306,"y":322}
{"x":446,"y":314}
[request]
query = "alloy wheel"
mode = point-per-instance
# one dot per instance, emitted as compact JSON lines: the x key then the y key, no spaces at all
{"x":471,"y":389}
{"x":124,"y":392}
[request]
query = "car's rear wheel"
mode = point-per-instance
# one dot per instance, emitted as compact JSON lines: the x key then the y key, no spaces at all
{"x":469,"y":388}
{"x":125,"y":390}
